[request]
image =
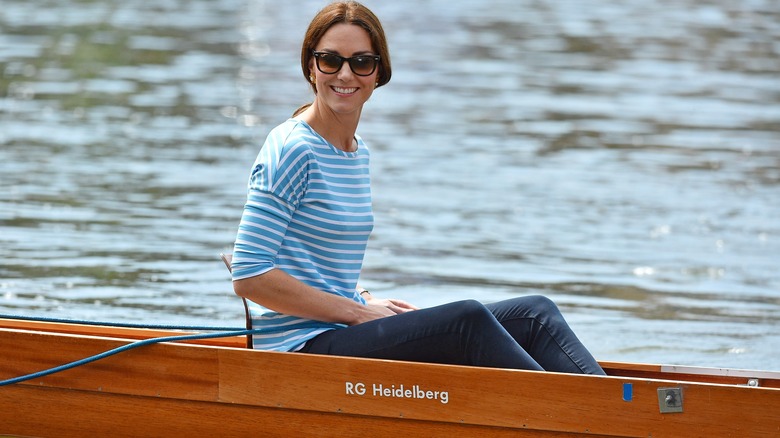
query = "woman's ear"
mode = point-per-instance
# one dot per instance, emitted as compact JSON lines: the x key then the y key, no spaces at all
{"x":312,"y":66}
{"x":312,"y":76}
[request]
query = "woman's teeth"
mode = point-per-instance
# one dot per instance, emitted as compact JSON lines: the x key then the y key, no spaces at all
{"x":344,"y":90}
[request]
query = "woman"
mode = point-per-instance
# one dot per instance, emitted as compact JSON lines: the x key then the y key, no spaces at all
{"x":306,"y":223}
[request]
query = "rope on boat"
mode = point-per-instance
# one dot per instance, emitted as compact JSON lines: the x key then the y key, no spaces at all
{"x":123,"y":348}
{"x":119,"y":324}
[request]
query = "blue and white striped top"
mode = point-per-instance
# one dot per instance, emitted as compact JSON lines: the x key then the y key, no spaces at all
{"x":308,"y":213}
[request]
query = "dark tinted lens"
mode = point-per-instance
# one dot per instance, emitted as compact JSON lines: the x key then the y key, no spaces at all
{"x":329,"y":63}
{"x":362,"y":65}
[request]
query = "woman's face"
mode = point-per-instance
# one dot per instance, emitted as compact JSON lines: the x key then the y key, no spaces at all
{"x":344,"y":92}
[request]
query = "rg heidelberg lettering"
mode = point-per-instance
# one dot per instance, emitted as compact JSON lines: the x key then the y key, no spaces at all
{"x":393,"y":391}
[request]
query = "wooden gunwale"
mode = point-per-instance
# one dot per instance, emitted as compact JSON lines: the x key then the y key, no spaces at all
{"x":284,"y":392}
{"x":116,"y":332}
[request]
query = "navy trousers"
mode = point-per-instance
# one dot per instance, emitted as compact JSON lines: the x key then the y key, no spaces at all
{"x":522,"y":333}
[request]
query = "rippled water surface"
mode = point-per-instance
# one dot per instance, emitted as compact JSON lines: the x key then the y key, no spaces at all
{"x":621,"y":157}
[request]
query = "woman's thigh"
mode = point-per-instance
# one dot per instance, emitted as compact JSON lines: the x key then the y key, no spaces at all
{"x":460,"y":333}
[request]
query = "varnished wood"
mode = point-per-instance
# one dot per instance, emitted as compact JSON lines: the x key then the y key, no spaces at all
{"x":115,"y":332}
{"x":164,"y":389}
{"x":54,"y":412}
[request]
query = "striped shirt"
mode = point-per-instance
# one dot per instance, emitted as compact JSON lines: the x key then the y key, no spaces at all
{"x":308,"y":212}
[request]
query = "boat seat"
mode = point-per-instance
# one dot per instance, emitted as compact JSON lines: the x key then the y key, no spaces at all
{"x":227,"y":258}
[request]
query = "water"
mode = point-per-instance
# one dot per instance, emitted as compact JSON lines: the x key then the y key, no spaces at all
{"x":623,"y":159}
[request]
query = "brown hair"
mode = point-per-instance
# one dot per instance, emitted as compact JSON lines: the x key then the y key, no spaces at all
{"x":349,"y":12}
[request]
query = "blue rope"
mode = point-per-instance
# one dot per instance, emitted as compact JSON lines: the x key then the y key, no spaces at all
{"x":117,"y":324}
{"x":126,"y":347}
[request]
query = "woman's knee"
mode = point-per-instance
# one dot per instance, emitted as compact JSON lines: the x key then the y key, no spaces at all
{"x":468,"y":307}
{"x":470,"y":310}
{"x":530,"y":306}
{"x":542,"y":304}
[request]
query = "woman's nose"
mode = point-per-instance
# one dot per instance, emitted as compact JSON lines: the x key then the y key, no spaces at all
{"x":345,"y":72}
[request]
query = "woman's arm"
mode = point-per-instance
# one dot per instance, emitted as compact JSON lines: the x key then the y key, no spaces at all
{"x":278,"y":291}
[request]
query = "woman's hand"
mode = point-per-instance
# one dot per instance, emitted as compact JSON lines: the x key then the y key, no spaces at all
{"x":377,"y":308}
{"x":395,"y":306}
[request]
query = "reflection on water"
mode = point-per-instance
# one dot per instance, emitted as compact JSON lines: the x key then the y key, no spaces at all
{"x":622,"y":158}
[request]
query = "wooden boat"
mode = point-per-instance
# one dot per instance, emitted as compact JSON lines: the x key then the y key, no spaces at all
{"x":218,"y":387}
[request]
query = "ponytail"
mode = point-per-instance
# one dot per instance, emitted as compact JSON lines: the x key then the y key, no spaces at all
{"x":301,"y":109}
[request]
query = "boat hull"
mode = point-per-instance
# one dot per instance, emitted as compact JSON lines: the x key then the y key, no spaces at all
{"x":170,"y":389}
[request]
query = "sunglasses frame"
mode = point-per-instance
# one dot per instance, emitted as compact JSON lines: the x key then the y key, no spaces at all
{"x":349,"y":61}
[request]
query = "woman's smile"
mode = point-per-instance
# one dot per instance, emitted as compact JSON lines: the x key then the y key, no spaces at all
{"x":342,"y":90}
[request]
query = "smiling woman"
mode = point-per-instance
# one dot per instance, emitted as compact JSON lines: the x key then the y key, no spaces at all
{"x":307,"y":220}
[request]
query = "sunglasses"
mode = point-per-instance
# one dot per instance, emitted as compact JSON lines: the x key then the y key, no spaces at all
{"x":361,"y":65}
